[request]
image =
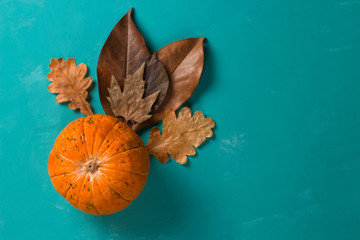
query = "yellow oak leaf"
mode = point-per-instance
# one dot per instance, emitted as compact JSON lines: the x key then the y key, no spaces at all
{"x":180,"y":135}
{"x":68,"y":80}
{"x":130,"y":103}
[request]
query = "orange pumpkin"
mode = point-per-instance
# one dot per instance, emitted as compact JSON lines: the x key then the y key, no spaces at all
{"x":99,"y":164}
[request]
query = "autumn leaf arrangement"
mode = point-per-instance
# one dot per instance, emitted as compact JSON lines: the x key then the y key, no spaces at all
{"x":136,"y":90}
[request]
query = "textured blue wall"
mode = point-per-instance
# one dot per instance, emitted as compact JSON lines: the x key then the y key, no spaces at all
{"x":281,"y":80}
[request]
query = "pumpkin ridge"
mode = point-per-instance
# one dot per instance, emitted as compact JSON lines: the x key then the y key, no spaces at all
{"x":80,"y":189}
{"x":105,"y":138}
{"x":115,"y":182}
{"x":68,"y":159}
{"x":70,"y":185}
{"x":107,"y":149}
{"x":114,"y":190}
{"x":59,"y":165}
{"x":124,"y":171}
{"x":77,"y":170}
{"x":115,"y":155}
{"x":92,"y":197}
{"x":118,"y":152}
{"x":97,"y":127}
{"x":83,"y":131}
{"x":101,"y":193}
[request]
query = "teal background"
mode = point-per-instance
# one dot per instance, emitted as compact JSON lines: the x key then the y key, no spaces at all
{"x":281,"y":80}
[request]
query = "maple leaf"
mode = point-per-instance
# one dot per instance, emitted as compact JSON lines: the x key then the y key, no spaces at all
{"x":180,"y":135}
{"x":69,"y":82}
{"x":129,"y":103}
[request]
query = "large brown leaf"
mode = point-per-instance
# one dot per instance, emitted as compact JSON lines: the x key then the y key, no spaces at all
{"x":120,"y":55}
{"x":180,"y":135}
{"x":130,"y":104}
{"x":69,"y":82}
{"x":156,"y":78}
{"x":184,"y":61}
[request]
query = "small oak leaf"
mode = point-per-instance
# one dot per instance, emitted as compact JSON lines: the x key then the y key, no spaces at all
{"x":180,"y":135}
{"x":130,"y":103}
{"x":69,"y":82}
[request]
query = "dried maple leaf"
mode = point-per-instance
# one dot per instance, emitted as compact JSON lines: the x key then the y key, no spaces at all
{"x":129,"y":103}
{"x":180,"y":135}
{"x":69,"y":82}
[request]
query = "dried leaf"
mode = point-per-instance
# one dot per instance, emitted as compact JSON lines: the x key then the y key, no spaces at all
{"x":129,"y":103}
{"x":180,"y":135}
{"x":69,"y":82}
{"x":156,"y":78}
{"x":120,"y":55}
{"x":184,"y":61}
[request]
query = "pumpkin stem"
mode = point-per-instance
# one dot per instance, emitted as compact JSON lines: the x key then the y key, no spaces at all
{"x":92,"y":165}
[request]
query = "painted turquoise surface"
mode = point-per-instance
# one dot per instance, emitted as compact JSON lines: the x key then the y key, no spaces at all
{"x":281,"y":80}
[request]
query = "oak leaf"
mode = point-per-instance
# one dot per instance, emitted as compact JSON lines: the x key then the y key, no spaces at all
{"x":180,"y":135}
{"x":130,"y":103}
{"x":68,"y":80}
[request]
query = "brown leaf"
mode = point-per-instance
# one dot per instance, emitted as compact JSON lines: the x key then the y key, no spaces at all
{"x":120,"y":55}
{"x":129,"y":103}
{"x":69,"y":82}
{"x":156,"y":78}
{"x":180,"y":135}
{"x":184,"y":61}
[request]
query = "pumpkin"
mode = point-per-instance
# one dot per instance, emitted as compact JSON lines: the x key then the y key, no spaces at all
{"x":99,"y":164}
